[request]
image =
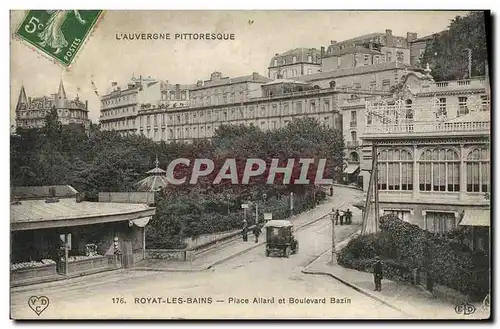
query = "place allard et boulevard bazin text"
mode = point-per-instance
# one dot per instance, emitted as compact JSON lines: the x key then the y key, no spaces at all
{"x":236,"y":301}
{"x":175,"y":36}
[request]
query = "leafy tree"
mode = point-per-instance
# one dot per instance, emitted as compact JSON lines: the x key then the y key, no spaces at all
{"x":447,"y":53}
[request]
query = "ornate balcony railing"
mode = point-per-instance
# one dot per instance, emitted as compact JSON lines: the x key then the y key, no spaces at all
{"x":428,"y":127}
{"x":473,"y":116}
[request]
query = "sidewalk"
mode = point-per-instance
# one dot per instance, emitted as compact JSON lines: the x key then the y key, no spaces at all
{"x":410,"y":300}
{"x":237,"y":247}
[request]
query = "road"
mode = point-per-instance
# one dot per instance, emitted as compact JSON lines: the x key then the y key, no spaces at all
{"x":230,"y":287}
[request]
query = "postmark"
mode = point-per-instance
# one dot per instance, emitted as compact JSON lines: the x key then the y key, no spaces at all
{"x":58,"y":34}
{"x":38,"y":304}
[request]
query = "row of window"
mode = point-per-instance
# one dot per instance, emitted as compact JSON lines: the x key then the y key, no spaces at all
{"x":291,"y":73}
{"x":219,"y":98}
{"x":128,"y":109}
{"x":119,"y":100}
{"x":238,"y":113}
{"x":310,"y":59}
{"x":171,"y":95}
{"x":434,"y":221}
{"x":207,"y":131}
{"x":439,"y":170}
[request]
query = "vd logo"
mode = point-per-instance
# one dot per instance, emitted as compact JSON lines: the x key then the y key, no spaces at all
{"x":465,"y":309}
{"x":38,"y":304}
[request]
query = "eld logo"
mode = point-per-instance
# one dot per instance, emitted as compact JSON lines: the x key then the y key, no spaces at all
{"x":38,"y":304}
{"x":465,"y":309}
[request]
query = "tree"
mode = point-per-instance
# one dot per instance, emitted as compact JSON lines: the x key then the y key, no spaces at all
{"x":447,"y":52}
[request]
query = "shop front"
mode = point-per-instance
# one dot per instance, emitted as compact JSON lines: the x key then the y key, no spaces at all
{"x":57,"y":238}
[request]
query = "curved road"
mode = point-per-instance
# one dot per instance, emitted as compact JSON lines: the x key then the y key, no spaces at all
{"x":135,"y":294}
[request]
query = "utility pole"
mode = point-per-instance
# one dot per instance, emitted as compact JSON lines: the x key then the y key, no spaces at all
{"x":332,"y":218}
{"x":469,"y":55}
{"x":377,"y":209}
{"x":256,"y":212}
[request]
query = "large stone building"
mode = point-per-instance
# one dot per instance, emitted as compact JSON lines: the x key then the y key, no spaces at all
{"x":432,"y":142}
{"x":31,"y":112}
{"x":294,"y":63}
{"x":368,"y":49}
{"x":120,"y":107}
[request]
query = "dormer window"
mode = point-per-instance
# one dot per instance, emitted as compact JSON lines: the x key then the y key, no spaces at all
{"x":294,"y":59}
{"x":309,"y":59}
{"x":284,"y":61}
{"x":275,"y":62}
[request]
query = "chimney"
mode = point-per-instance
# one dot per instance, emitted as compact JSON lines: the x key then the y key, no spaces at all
{"x":86,"y":104}
{"x":52,"y":195}
{"x":255,"y":76}
{"x":199,"y":83}
{"x":322,"y":51}
{"x":177,"y":91}
{"x":389,"y":39}
{"x":333,"y":42}
{"x":276,"y":54}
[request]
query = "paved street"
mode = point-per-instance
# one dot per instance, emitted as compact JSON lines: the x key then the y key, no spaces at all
{"x":226,"y":288}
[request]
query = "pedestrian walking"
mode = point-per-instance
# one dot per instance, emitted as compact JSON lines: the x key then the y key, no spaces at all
{"x":377,"y":274}
{"x":348,"y":215}
{"x":256,"y":232}
{"x":337,"y":215}
{"x":244,"y":232}
{"x":342,"y":218}
{"x":331,"y":190}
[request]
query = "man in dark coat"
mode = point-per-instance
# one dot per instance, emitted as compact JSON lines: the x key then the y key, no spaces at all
{"x":256,"y":232}
{"x":337,"y":215}
{"x":348,"y":217}
{"x":377,"y":274}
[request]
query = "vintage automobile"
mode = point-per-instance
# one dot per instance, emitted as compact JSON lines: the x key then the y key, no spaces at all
{"x":280,"y":238}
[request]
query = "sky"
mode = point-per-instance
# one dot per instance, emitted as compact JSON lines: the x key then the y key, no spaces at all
{"x":258,"y":36}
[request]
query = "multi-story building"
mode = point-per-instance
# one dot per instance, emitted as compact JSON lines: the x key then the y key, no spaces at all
{"x":433,"y":153}
{"x":420,"y":91}
{"x":294,"y":63}
{"x":368,"y":49}
{"x":120,"y":107}
{"x":31,"y":112}
{"x":152,"y":118}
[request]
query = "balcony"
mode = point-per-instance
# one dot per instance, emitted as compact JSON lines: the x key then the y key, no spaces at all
{"x":429,"y":120}
{"x":353,"y":144}
{"x":353,"y":124}
{"x":476,"y":83}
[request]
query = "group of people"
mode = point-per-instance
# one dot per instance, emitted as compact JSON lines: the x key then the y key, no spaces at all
{"x":255,"y":231}
{"x":342,"y":216}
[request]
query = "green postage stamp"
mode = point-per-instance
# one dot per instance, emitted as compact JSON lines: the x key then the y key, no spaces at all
{"x":59,"y":34}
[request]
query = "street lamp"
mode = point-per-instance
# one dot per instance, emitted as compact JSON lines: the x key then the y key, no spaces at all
{"x":332,"y":218}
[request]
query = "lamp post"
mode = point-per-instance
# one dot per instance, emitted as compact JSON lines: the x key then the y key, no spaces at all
{"x":332,"y":218}
{"x":469,"y":61}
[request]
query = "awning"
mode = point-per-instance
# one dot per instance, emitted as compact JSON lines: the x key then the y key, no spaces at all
{"x":141,"y":222}
{"x":476,"y":217}
{"x":350,"y":169}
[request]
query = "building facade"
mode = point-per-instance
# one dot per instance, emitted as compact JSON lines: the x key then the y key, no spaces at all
{"x":368,"y":49}
{"x":432,"y":143}
{"x":31,"y":112}
{"x":294,"y":63}
{"x":120,"y":107}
